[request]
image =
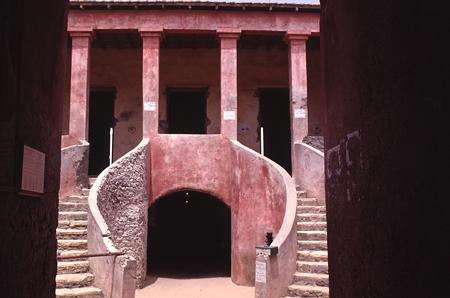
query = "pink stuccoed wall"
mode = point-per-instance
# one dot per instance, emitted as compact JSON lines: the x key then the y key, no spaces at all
{"x":194,"y":21}
{"x":74,"y":168}
{"x":309,"y":171}
{"x":260,"y":67}
{"x":252,"y":187}
{"x":183,"y":67}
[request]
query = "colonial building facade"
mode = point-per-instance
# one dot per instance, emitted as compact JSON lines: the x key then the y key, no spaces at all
{"x":192,"y":114}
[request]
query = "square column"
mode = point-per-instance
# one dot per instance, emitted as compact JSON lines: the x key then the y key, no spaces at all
{"x":150,"y":82}
{"x":298,"y":88}
{"x":228,"y":82}
{"x":79,"y":85}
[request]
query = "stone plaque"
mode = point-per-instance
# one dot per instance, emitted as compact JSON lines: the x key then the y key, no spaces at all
{"x":33,"y":170}
{"x":260,"y":272}
{"x":299,"y":113}
{"x":149,"y":106}
{"x":229,"y":115}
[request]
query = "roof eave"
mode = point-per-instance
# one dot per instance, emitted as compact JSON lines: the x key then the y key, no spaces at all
{"x":191,"y":4}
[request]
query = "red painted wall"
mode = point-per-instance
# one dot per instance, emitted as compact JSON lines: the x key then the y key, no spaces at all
{"x":252,"y":188}
{"x":261,"y":67}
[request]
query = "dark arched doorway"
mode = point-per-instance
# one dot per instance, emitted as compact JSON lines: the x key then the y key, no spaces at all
{"x":189,"y":233}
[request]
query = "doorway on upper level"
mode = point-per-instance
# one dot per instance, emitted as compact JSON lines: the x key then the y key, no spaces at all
{"x":274,"y":118}
{"x":186,"y":110}
{"x":101,"y":125}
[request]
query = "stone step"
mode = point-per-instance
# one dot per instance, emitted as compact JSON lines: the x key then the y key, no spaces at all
{"x":312,"y":235}
{"x":311,"y":226}
{"x":85,"y":292}
{"x":312,"y":245}
{"x":74,"y":199}
{"x":73,"y":215}
{"x":312,"y":267}
{"x":311,"y":209}
{"x":75,"y":280}
{"x":73,"y":252}
{"x":312,"y":255}
{"x":85,"y":191}
{"x":69,"y":206}
{"x":72,"y":245}
{"x":308,"y":291}
{"x":73,"y":267}
{"x":311,"y":217}
{"x":301,"y":194}
{"x":311,"y":279}
{"x":307,"y":202}
{"x":74,"y":234}
{"x":72,"y":224}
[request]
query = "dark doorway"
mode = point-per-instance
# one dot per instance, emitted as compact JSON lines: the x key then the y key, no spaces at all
{"x":186,"y":111}
{"x":274,"y":117}
{"x":189,"y":233}
{"x":101,"y":120}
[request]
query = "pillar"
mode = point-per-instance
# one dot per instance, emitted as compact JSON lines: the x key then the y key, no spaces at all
{"x":150,"y":82}
{"x":298,"y":89}
{"x":228,"y":82}
{"x":79,"y":85}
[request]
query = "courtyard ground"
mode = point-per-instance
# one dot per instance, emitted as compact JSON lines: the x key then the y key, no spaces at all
{"x":193,"y":287}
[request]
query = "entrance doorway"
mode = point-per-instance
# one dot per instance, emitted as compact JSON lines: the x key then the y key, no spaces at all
{"x":101,"y":121}
{"x":186,"y":111}
{"x":189,"y":233}
{"x":274,"y":117}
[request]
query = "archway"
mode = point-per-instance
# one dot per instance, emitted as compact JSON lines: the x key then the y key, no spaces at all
{"x":189,"y":233}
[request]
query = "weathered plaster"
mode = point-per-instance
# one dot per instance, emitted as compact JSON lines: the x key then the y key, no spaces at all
{"x":74,"y":169}
{"x":122,"y":200}
{"x":194,"y":21}
{"x":228,"y":82}
{"x":121,"y":69}
{"x":150,"y":81}
{"x":192,"y":68}
{"x":247,"y":182}
{"x":309,"y":171}
{"x":79,"y":84}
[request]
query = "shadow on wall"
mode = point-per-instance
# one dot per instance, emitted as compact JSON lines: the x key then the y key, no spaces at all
{"x":189,"y":234}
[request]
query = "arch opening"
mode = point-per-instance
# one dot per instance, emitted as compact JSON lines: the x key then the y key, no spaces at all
{"x":189,"y":232}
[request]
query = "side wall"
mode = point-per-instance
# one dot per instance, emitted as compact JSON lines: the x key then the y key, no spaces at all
{"x":32,"y":58}
{"x":309,"y":172}
{"x":74,"y":169}
{"x":386,"y":147}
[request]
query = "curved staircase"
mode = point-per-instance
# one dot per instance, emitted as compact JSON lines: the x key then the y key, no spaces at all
{"x":311,"y":278}
{"x":74,"y":279}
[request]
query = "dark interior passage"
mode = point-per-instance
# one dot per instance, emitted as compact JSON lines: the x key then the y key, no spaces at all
{"x":189,"y":233}
{"x":101,"y":120}
{"x":186,"y":111}
{"x":274,"y":117}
